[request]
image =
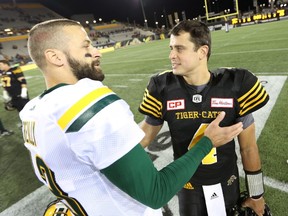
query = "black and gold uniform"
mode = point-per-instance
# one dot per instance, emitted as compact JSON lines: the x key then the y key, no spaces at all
{"x":189,"y":109}
{"x":12,"y":81}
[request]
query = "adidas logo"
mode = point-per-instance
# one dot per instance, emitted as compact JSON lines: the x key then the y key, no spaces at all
{"x":188,"y":186}
{"x":214,"y":196}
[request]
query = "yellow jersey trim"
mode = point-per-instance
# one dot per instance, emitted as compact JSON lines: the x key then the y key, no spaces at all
{"x":74,"y":110}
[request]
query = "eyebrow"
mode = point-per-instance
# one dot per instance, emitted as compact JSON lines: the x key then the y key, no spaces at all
{"x":87,"y":41}
{"x":177,"y":46}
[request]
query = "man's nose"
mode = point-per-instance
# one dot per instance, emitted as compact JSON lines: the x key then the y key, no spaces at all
{"x":96,"y":53}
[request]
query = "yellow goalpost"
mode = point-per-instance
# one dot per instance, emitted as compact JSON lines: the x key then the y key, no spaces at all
{"x":224,"y":16}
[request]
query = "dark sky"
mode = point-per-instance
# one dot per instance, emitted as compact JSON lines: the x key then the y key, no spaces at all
{"x":122,"y":10}
{"x":131,"y":10}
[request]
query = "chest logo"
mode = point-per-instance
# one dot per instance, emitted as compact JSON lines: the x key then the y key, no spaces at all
{"x":176,"y":104}
{"x":197,"y":98}
{"x":222,"y":102}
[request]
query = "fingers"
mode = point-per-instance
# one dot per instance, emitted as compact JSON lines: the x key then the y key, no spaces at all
{"x":221,"y":135}
{"x":235,"y":129}
{"x":219,"y":118}
{"x":231,"y":131}
{"x":258,"y":205}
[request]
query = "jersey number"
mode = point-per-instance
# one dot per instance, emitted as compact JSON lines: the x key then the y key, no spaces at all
{"x":6,"y":81}
{"x":211,"y":157}
{"x":48,"y":176}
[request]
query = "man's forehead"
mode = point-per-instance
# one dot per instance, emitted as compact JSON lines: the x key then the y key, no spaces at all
{"x":72,"y":28}
{"x":77,"y":33}
{"x":178,"y":39}
{"x":181,"y":35}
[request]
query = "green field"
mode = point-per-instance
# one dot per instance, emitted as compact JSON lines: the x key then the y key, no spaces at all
{"x":261,"y":48}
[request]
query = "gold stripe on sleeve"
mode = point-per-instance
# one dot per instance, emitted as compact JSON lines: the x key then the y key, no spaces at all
{"x":74,"y":110}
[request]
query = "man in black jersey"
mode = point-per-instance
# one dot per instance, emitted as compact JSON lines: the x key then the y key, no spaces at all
{"x":188,"y":98}
{"x":14,"y":85}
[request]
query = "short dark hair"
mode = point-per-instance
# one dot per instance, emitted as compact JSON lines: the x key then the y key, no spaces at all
{"x":199,"y":33}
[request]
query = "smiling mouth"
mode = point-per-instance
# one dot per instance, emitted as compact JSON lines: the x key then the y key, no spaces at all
{"x":174,"y":65}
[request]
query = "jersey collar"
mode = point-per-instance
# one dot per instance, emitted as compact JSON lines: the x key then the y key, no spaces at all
{"x":52,"y":88}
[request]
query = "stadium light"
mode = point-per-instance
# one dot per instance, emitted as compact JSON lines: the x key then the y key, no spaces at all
{"x":144,"y":15}
{"x":227,"y":11}
{"x":155,"y":19}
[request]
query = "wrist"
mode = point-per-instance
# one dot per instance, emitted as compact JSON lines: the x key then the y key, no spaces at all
{"x":207,"y":140}
{"x":256,"y":198}
{"x":254,"y":184}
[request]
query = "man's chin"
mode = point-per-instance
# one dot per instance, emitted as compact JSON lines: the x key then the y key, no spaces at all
{"x":176,"y":72}
{"x":99,"y":76}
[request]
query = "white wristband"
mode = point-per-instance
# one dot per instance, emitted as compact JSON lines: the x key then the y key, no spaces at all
{"x":255,"y":184}
{"x":24,"y":93}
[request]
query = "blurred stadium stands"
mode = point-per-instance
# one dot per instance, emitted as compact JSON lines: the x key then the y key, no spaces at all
{"x":16,"y":20}
{"x":21,"y":17}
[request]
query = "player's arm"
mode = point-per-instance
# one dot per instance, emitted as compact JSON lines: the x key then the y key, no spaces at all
{"x":249,"y":149}
{"x":151,"y":128}
{"x":248,"y":103}
{"x":252,"y":167}
{"x":136,"y":175}
{"x":22,"y":80}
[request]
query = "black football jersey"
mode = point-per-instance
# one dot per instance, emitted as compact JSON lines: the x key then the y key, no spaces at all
{"x":188,"y":112}
{"x":9,"y":80}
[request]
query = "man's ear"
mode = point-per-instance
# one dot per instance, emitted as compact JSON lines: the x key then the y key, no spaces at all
{"x":203,"y":51}
{"x":54,"y":57}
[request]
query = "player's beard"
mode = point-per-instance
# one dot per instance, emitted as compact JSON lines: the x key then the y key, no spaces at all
{"x":85,"y":70}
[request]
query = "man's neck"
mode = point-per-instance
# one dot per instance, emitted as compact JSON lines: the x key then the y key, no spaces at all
{"x":198,"y":78}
